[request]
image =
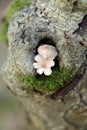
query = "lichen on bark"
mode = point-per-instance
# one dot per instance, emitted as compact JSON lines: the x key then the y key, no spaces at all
{"x":43,"y":20}
{"x":58,"y":22}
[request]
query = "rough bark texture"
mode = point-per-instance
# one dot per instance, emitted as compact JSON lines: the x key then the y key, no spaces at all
{"x":49,"y":114}
{"x":64,"y":22}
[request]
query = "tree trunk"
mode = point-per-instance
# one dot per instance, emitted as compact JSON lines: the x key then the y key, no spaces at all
{"x":63,"y":22}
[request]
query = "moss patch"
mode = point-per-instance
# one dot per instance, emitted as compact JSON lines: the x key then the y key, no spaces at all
{"x":4,"y":32}
{"x":47,"y":84}
{"x":16,"y":6}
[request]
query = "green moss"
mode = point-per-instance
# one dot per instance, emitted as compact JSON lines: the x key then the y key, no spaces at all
{"x":16,"y":6}
{"x":47,"y":84}
{"x":4,"y":32}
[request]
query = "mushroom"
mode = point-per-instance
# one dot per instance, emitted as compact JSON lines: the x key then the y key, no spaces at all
{"x":43,"y":65}
{"x":45,"y":59}
{"x":47,"y":51}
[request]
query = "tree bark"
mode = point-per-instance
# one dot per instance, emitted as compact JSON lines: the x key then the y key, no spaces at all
{"x":65,"y":22}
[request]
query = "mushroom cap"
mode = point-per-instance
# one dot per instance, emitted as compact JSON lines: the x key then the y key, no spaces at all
{"x":47,"y":51}
{"x":43,"y":65}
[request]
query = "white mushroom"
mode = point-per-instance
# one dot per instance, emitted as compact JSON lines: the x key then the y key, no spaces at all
{"x":44,"y":60}
{"x":47,"y":51}
{"x":43,"y":65}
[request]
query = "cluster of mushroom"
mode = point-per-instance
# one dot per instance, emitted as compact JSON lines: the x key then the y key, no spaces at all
{"x":45,"y":59}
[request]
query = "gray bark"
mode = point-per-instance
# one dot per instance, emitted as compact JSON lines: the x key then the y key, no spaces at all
{"x":65,"y":23}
